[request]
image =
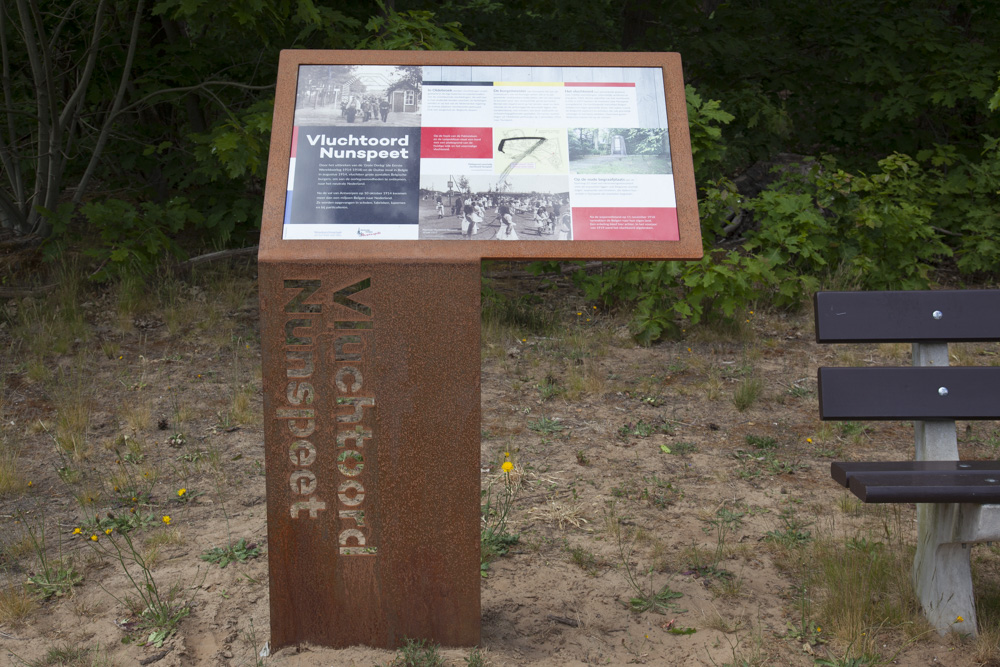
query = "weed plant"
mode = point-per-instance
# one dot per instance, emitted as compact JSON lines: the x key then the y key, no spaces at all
{"x":54,"y":577}
{"x":238,"y":552}
{"x":792,"y":533}
{"x":545,"y":426}
{"x":156,"y":612}
{"x":417,"y":653}
{"x":724,"y":522}
{"x":645,"y":597}
{"x":495,"y":540}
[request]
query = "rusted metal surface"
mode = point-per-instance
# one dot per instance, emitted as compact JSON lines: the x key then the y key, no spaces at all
{"x":373,"y":549}
{"x":371,"y":395}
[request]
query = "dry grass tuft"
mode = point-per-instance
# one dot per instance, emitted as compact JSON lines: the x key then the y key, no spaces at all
{"x":12,"y":482}
{"x":137,"y":414}
{"x":559,"y":513}
{"x":16,"y":604}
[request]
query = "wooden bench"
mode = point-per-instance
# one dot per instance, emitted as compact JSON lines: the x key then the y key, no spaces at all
{"x":958,"y":502}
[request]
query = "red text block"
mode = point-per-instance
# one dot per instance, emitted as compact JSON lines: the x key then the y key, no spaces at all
{"x":456,"y":142}
{"x":625,"y":224}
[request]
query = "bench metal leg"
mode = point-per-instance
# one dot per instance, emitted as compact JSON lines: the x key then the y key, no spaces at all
{"x":942,"y":576}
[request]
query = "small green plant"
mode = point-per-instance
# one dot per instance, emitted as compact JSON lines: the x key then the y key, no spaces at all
{"x":549,"y":388}
{"x":853,"y":430}
{"x":793,"y":533}
{"x":582,"y":458}
{"x":545,"y":426}
{"x":238,"y":552}
{"x":123,"y":522}
{"x":54,"y":577}
{"x":641,"y":429}
{"x":660,"y":493}
{"x":683,"y":448}
{"x":722,"y":524}
{"x":761,"y":441}
{"x":495,"y":540}
{"x":585,"y":560}
{"x":129,"y":484}
{"x":154,"y":612}
{"x":417,"y":653}
{"x":644,"y":597}
{"x":476,"y":658}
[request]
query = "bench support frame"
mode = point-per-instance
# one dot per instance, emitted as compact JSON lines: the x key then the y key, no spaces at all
{"x":942,"y":574}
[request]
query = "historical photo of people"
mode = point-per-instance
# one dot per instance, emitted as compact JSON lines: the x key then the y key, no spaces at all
{"x":619,"y":151}
{"x":485,"y":208}
{"x":384,"y":95}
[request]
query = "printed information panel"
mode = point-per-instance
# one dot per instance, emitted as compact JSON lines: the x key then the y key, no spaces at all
{"x":410,"y":152}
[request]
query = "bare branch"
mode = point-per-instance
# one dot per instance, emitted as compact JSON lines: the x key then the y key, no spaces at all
{"x":185,"y":89}
{"x":113,"y":113}
{"x":43,"y":99}
{"x":7,"y":157}
{"x":81,"y":88}
{"x":212,"y":256}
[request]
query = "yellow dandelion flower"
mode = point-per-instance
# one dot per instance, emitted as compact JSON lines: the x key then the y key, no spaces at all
{"x":959,"y":619}
{"x":181,"y":492}
{"x":30,"y":484}
{"x":166,"y":520}
{"x":506,"y":455}
{"x":507,"y":466}
{"x":93,"y":538}
{"x":819,"y":629}
{"x":77,"y":531}
{"x":579,"y":314}
{"x":107,"y":531}
{"x":809,"y":440}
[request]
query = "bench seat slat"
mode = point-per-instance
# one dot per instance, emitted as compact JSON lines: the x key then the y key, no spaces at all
{"x":909,"y":393}
{"x":842,"y":471}
{"x":878,"y":317}
{"x":927,"y":487}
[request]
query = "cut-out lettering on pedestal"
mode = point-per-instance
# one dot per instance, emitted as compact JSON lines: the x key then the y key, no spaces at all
{"x":316,"y":318}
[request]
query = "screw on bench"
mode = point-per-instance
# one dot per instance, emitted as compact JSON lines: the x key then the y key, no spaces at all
{"x":937,"y":314}
{"x":942,"y":391}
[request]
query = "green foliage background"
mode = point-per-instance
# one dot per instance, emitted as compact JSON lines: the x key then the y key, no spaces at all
{"x":137,"y":129}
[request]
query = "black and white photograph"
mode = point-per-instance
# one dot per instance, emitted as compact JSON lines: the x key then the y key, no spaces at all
{"x":359,"y":95}
{"x":486,"y":208}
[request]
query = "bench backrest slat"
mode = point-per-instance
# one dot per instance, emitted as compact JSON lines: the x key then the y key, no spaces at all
{"x":876,"y":317}
{"x":910,"y":393}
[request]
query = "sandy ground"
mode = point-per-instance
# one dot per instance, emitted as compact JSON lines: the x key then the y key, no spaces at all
{"x":649,"y":445}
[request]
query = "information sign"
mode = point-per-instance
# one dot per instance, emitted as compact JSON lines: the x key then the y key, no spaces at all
{"x":392,"y":175}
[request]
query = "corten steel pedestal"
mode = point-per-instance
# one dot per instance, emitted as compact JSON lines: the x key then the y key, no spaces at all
{"x":408,"y":403}
{"x":371,"y":395}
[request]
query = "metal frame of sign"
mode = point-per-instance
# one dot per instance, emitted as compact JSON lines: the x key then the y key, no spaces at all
{"x":688,"y":246}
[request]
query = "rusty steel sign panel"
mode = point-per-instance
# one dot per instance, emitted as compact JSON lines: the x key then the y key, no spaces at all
{"x":391,"y":176}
